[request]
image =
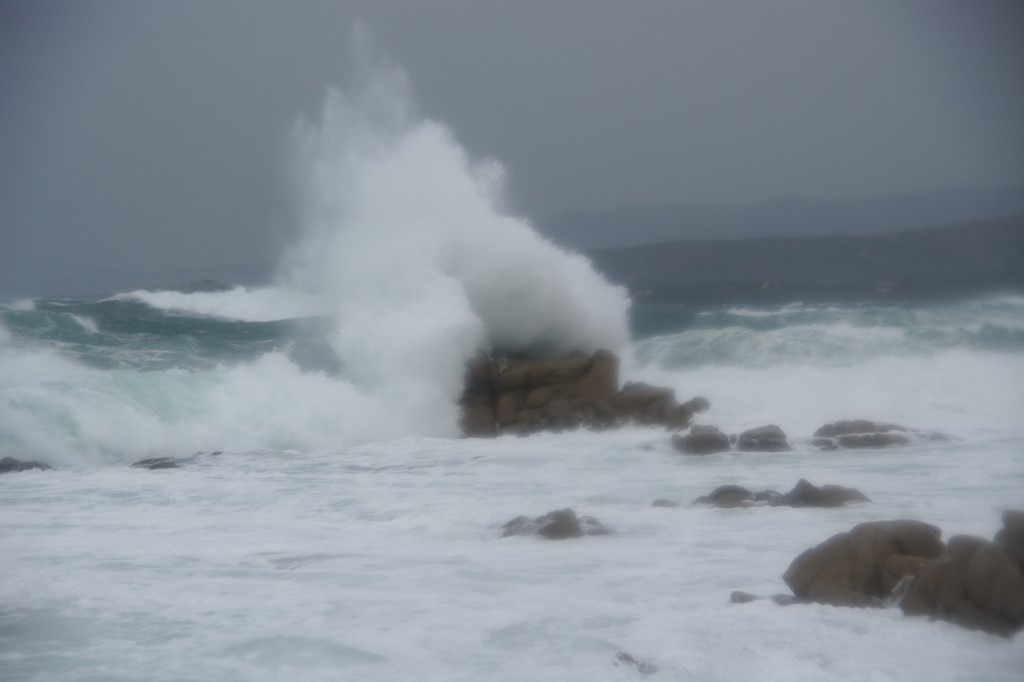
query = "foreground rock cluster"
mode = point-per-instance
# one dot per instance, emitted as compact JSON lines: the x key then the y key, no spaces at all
{"x":969,"y":581}
{"x":521,"y":396}
{"x":803,"y":494}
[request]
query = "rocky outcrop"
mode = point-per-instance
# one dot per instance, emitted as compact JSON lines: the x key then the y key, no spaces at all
{"x":806,"y":494}
{"x":859,"y":433}
{"x":702,"y":440}
{"x":849,"y":568}
{"x":555,"y":525}
{"x":10,"y":465}
{"x":803,"y":494}
{"x":769,"y":438}
{"x":978,"y":584}
{"x":520,"y":396}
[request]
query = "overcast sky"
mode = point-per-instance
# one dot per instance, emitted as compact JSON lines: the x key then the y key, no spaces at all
{"x":149,"y":134}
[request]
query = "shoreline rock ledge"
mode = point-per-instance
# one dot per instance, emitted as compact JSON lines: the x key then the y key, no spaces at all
{"x":505,"y":394}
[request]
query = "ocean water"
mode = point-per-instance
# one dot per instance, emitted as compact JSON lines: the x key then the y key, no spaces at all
{"x":317,"y":547}
{"x":345,"y":532}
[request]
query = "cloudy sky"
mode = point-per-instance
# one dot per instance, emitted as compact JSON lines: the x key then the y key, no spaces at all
{"x":150,"y":135}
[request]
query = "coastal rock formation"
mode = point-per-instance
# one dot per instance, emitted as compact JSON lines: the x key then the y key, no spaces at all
{"x":702,"y":440}
{"x":10,"y":465}
{"x":978,"y":584}
{"x":848,"y":568}
{"x":556,"y":525}
{"x":769,"y":438}
{"x":803,"y":494}
{"x":520,"y":396}
{"x":806,"y":494}
{"x":970,"y":582}
{"x":859,"y":433}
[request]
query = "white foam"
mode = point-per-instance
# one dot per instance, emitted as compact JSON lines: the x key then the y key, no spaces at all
{"x":86,"y":323}
{"x":262,"y":304}
{"x":407,"y":239}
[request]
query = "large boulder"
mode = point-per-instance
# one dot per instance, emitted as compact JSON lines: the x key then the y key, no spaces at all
{"x":848,"y":569}
{"x":505,"y":394}
{"x":555,"y":525}
{"x":702,"y":440}
{"x":978,"y":584}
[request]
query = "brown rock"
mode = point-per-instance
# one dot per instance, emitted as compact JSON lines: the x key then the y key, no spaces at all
{"x":847,"y":569}
{"x":702,"y":440}
{"x":478,"y":421}
{"x":555,"y":525}
{"x":871,"y":440}
{"x":978,"y":586}
{"x":842,"y":428}
{"x":1011,"y":538}
{"x":899,"y":566}
{"x":529,"y":395}
{"x":806,"y":494}
{"x":769,"y":438}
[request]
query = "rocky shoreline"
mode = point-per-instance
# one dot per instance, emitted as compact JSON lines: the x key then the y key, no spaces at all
{"x":969,"y":581}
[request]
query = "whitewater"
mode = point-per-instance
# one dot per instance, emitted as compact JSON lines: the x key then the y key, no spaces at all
{"x":329,"y":522}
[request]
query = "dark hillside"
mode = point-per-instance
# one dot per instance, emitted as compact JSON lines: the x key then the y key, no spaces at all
{"x":964,"y":259}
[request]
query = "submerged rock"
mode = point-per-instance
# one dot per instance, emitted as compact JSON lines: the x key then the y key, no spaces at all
{"x":738,"y":597}
{"x":556,"y":525}
{"x":10,"y":465}
{"x":158,"y":463}
{"x":803,"y":494}
{"x":702,"y":440}
{"x":642,"y":667}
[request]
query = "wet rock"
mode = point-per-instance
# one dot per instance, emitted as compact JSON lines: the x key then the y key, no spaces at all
{"x":858,"y":434}
{"x":644,"y":668}
{"x":665,"y":503}
{"x":806,"y":494}
{"x":780,"y":599}
{"x":847,"y":569}
{"x":509,"y":395}
{"x":10,"y":465}
{"x":701,"y":440}
{"x":158,"y":463}
{"x":978,"y":585}
{"x":852,"y":426}
{"x":729,"y":496}
{"x":803,"y":494}
{"x":769,"y":438}
{"x":556,"y":525}
{"x":1011,"y":538}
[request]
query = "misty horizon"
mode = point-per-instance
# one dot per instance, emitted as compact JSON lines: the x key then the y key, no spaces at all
{"x":151,"y":138}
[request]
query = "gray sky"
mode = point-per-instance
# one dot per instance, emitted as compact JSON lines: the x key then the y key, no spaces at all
{"x":149,"y":134}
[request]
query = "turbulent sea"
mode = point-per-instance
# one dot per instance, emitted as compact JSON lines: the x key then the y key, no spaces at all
{"x":346,"y":534}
